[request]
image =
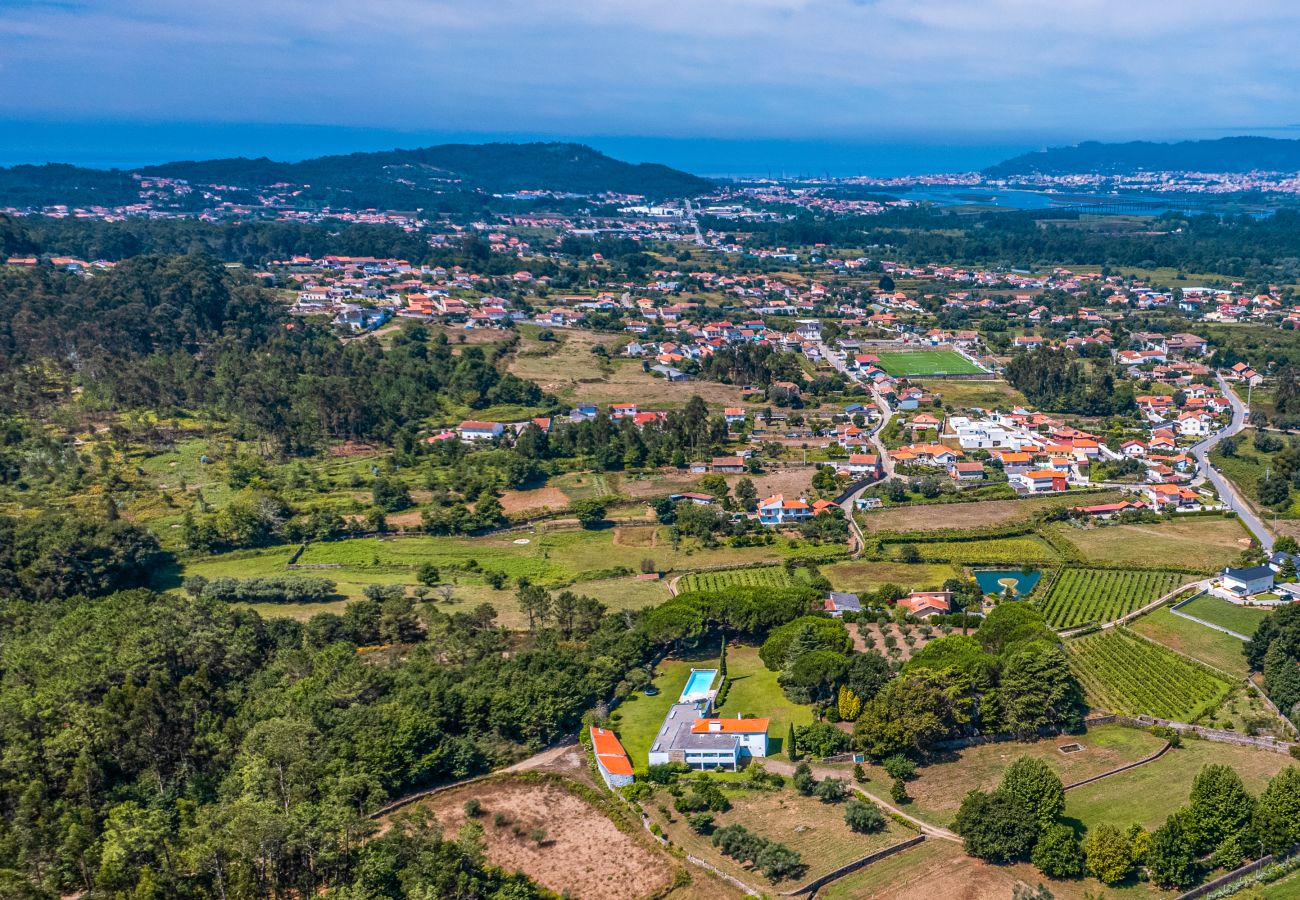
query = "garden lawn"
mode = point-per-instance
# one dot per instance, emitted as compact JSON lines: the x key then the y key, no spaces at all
{"x":926,"y":362}
{"x":1217,"y":611}
{"x":1223,"y":651}
{"x":753,"y":691}
{"x":1148,"y":794}
{"x":1199,"y":542}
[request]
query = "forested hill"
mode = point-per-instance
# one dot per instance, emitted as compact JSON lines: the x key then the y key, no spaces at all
{"x":1230,"y":154}
{"x":394,"y":179}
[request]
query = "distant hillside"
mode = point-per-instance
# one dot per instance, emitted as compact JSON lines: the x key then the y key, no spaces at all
{"x":1231,"y":154}
{"x":395,"y":179}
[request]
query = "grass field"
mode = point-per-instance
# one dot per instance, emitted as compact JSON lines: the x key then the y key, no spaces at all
{"x":1202,"y":542}
{"x":1223,"y":651}
{"x":1025,"y":550}
{"x":868,"y":575}
{"x":1122,"y":673}
{"x":547,"y":557}
{"x":926,"y":362}
{"x":938,"y":789}
{"x":1148,"y":794}
{"x":815,"y":830}
{"x":1081,"y":596}
{"x":1217,"y":611}
{"x":981,"y":394}
{"x":974,"y":514}
{"x":753,"y":691}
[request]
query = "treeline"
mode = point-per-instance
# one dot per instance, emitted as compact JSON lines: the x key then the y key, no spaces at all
{"x":1055,"y":378}
{"x":1237,"y":245}
{"x":1274,"y":649}
{"x":1221,"y":827}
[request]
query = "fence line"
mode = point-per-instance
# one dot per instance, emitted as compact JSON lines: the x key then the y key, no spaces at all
{"x":1176,"y":610}
{"x":817,"y":883}
{"x":1133,"y":765}
{"x":1214,"y":735}
{"x":1236,"y":874}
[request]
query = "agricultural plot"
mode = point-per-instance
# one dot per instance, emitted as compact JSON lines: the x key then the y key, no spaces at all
{"x":1123,"y":673}
{"x":765,"y":576}
{"x":1018,"y":551}
{"x":926,"y":362}
{"x":1082,"y":596}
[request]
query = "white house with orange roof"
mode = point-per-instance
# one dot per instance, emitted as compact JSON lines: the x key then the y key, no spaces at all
{"x":777,"y":510}
{"x":611,"y":759}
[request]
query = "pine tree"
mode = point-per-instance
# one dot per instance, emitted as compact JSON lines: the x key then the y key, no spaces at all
{"x":722,"y":662}
{"x":790,"y":750}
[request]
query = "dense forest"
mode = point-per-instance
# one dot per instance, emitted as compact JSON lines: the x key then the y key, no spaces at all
{"x":1057,"y":379}
{"x":170,"y":333}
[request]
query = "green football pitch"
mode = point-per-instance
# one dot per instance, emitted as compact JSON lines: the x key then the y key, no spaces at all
{"x":926,"y":362}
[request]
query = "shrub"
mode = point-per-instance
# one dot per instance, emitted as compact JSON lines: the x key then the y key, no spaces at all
{"x":700,"y":822}
{"x":1109,"y":853}
{"x":863,"y":816}
{"x":898,"y":791}
{"x":1171,"y":735}
{"x":473,"y":808}
{"x":899,"y":766}
{"x":500,"y":819}
{"x":831,"y":790}
{"x":804,"y":782}
{"x":1058,"y":853}
{"x":859,"y":773}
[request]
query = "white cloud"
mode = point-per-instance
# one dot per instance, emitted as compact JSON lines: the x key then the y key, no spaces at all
{"x":803,"y":68}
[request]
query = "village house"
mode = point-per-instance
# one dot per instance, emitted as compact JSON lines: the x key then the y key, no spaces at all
{"x":611,"y":759}
{"x":479,"y":431}
{"x":777,"y":510}
{"x":925,"y":604}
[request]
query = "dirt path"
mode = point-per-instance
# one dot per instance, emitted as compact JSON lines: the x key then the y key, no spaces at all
{"x":787,"y":768}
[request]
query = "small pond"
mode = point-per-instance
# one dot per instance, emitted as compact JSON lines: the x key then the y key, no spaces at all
{"x":995,"y":581}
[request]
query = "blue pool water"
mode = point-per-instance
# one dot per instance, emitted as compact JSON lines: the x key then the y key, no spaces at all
{"x":697,"y":686}
{"x":990,"y":580}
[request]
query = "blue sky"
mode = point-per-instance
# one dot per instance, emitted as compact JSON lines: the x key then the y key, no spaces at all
{"x":180,"y":76}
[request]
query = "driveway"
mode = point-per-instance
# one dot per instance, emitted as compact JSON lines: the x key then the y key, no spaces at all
{"x":782,"y":767}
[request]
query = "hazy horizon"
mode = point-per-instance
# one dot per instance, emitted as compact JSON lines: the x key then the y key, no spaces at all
{"x":127,"y":145}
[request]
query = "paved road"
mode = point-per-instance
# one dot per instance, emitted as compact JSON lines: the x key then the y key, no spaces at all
{"x":1227,"y":492}
{"x":695,"y":223}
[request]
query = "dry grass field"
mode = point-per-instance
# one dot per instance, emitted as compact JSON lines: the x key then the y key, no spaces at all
{"x":815,"y":830}
{"x":582,"y":854}
{"x":1201,"y":542}
{"x":981,"y":513}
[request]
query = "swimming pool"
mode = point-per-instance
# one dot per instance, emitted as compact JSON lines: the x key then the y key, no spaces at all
{"x":697,"y":686}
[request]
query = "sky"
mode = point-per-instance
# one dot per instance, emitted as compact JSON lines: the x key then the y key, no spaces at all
{"x":803,"y":85}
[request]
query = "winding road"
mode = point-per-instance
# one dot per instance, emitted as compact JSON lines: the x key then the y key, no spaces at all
{"x":1228,"y":492}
